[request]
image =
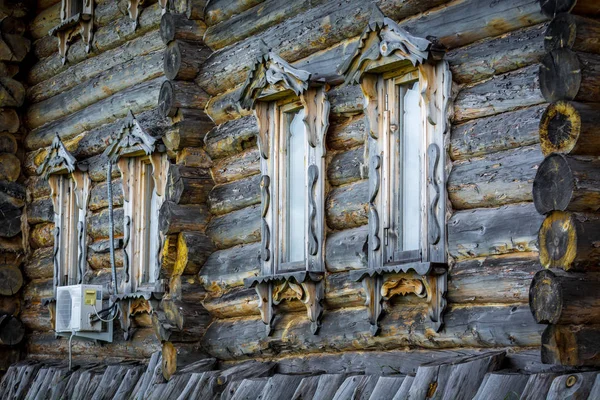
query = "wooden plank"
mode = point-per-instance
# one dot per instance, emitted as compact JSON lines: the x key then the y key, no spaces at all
{"x":572,"y":386}
{"x":386,"y":387}
{"x":538,"y":386}
{"x":402,"y":393}
{"x":356,"y":387}
{"x":250,"y":389}
{"x":465,"y":378}
{"x":306,"y":389}
{"x":500,"y":385}
{"x":280,"y":387}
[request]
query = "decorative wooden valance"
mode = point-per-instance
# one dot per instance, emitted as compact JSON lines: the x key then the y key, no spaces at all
{"x":58,"y":160}
{"x":384,"y":47}
{"x":76,"y":18}
{"x":272,"y":79}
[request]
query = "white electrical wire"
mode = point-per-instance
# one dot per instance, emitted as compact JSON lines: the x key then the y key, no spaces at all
{"x":106,"y":320}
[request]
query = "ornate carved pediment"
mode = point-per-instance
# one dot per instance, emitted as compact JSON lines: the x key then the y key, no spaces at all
{"x":383,"y":42}
{"x":71,"y":25}
{"x":131,"y":139}
{"x":58,"y":160}
{"x":272,"y":74}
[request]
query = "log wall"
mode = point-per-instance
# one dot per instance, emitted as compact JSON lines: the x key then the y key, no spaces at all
{"x":181,"y":74}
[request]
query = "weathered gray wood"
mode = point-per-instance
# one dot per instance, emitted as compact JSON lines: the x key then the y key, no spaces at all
{"x":494,"y":180}
{"x":584,"y":7}
{"x":595,"y":392}
{"x":183,"y":59}
{"x":502,"y":93}
{"x":306,"y":389}
{"x":188,"y":185}
{"x":235,"y":195}
{"x":328,"y":385}
{"x":179,"y":27}
{"x":347,"y":249}
{"x":386,"y":387}
{"x":250,"y":389}
{"x":175,"y":218}
{"x":497,"y":55}
{"x":188,"y":131}
{"x":10,"y":220}
{"x":499,"y":386}
{"x":496,"y":133}
{"x":346,"y":132}
{"x":402,"y":393}
{"x":356,"y":387}
{"x":9,"y":120}
{"x":155,"y":360}
{"x":573,"y":32}
{"x":13,"y":48}
{"x":91,"y":67}
{"x":345,"y":168}
{"x":12,"y":92}
{"x":564,"y":388}
{"x":220,"y":10}
{"x":130,"y":380}
{"x":137,"y":99}
{"x":97,"y":224}
{"x":40,"y":265}
{"x":193,"y":249}
{"x":238,"y":227}
{"x":493,"y":279}
{"x":482,"y":232}
{"x":175,"y":95}
{"x":280,"y":387}
{"x":465,"y":378}
{"x":568,"y":75}
{"x":228,"y":268}
{"x":538,"y":386}
{"x":12,"y":193}
{"x":111,"y":81}
{"x":346,"y":206}
{"x":99,"y":195}
{"x":481,"y":326}
{"x":236,"y":167}
{"x":244,"y":370}
{"x":231,"y":137}
{"x":104,"y":39}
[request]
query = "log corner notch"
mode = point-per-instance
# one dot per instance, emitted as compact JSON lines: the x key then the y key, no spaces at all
{"x":384,"y":46}
{"x":272,"y":78}
{"x":75,"y":19}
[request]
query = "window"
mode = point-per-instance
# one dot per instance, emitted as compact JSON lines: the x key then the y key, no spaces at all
{"x":143,"y":170}
{"x":407,"y":92}
{"x":70,"y":191}
{"x":292,"y":115}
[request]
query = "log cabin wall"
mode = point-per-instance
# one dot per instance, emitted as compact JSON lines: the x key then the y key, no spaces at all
{"x":14,"y":48}
{"x":86,"y":100}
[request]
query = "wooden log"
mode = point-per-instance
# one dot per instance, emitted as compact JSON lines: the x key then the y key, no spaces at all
{"x":99,"y":195}
{"x":572,"y":32}
{"x":88,"y":68}
{"x":40,"y":210}
{"x":136,"y":99}
{"x":570,"y":128}
{"x":104,"y":39}
{"x":567,"y":183}
{"x":35,"y":290}
{"x":483,"y":232}
{"x":11,"y":280}
{"x":183,"y":59}
{"x":195,"y":9}
{"x":193,"y":249}
{"x":180,"y":94}
{"x":10,"y":167}
{"x":8,"y":143}
{"x":12,"y":92}
{"x":11,"y":246}
{"x":194,"y":157}
{"x":188,"y":130}
{"x":180,"y":27}
{"x":44,"y":47}
{"x":188,"y":185}
{"x":10,"y":305}
{"x":101,"y":259}
{"x":346,"y":206}
{"x":233,"y":196}
{"x":111,"y":81}
{"x":497,"y":55}
{"x":567,"y":240}
{"x":497,"y":179}
{"x":345,"y":168}
{"x":254,"y":20}
{"x":583,"y":7}
{"x":569,"y":75}
{"x":37,"y":187}
{"x":175,"y":218}
{"x":387,"y":387}
{"x":502,"y":93}
{"x":97,"y":224}
{"x":570,"y":345}
{"x":346,"y":132}
{"x":9,"y":69}
{"x":12,"y":193}
{"x":346,"y":250}
{"x":312,"y":32}
{"x":220,"y":10}
{"x":10,"y":220}
{"x":500,"y":132}
{"x":227,"y":269}
{"x":12,"y":330}
{"x":495,"y":326}
{"x":42,"y":235}
{"x":238,"y":227}
{"x":13,"y":48}
{"x":9,"y":120}
{"x":237,"y":167}
{"x":494,"y":279}
{"x":557,"y":297}
{"x":41,"y":264}
{"x":231,"y":137}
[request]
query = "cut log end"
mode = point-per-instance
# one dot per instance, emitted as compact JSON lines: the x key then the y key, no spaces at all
{"x":169,"y":360}
{"x":545,"y":297}
{"x":553,"y":184}
{"x":172,"y":61}
{"x":11,"y":280}
{"x":554,"y":7}
{"x":12,"y":330}
{"x":560,"y":75}
{"x":167,"y":28}
{"x":561,"y":32}
{"x":165,"y":100}
{"x":559,"y":128}
{"x":558,"y":240}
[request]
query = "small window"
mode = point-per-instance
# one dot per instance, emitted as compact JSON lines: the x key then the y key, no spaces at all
{"x":67,"y":218}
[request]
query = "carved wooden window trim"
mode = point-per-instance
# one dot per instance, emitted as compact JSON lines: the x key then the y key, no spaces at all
{"x":385,"y":54}
{"x":70,"y":189}
{"x":270,"y":89}
{"x":76,"y":18}
{"x":137,"y":153}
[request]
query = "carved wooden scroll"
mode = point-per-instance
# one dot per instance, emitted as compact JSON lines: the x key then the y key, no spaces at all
{"x":271,"y":80}
{"x":131,"y":140}
{"x":58,"y":160}
{"x":75,"y":19}
{"x":393,"y":270}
